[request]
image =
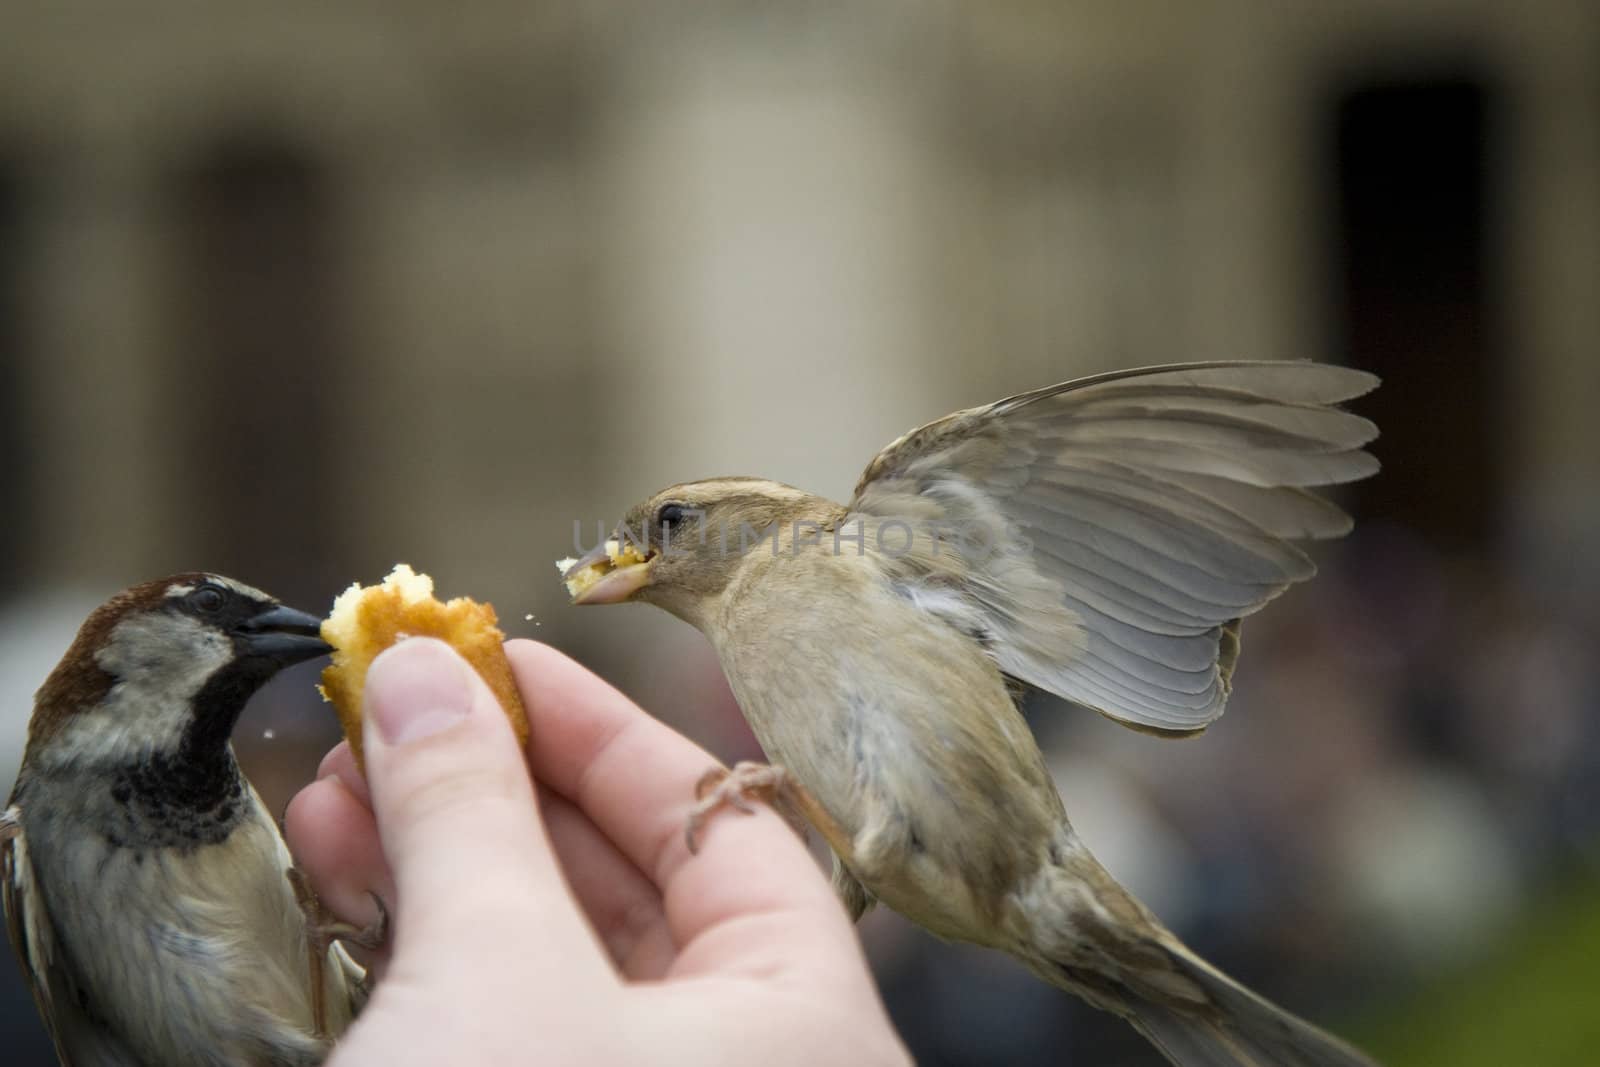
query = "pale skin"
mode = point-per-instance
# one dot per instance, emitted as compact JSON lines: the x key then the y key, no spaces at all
{"x":567,"y":922}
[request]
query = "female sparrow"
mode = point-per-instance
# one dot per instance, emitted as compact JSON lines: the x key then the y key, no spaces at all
{"x":1099,"y":539}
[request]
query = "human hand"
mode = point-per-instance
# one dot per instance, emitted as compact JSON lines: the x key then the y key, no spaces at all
{"x":568,"y":922}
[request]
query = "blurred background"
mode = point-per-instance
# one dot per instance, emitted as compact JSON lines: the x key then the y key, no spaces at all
{"x":294,"y":293}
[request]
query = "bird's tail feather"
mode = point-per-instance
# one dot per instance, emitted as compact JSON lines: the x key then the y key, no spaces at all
{"x":1091,"y":937}
{"x":1235,"y":1027}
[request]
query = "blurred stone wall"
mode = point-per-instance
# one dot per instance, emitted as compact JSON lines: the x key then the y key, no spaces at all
{"x":575,"y":251}
{"x":551,"y":257}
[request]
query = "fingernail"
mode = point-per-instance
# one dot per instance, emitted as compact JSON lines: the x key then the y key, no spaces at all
{"x":416,"y":689}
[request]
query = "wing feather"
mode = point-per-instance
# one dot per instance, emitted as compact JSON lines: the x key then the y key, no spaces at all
{"x":1130,"y":519}
{"x":29,"y":929}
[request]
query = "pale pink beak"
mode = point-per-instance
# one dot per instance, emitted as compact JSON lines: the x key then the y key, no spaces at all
{"x":616,"y":584}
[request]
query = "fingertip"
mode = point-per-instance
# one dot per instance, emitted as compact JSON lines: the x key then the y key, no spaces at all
{"x":299,"y":819}
{"x":320,"y":811}
{"x":340,"y":763}
{"x":541,"y":670}
{"x":336,"y":755}
{"x":525,"y":647}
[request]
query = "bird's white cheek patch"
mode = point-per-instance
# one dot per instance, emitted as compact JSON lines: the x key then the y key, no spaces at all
{"x":161,"y":661}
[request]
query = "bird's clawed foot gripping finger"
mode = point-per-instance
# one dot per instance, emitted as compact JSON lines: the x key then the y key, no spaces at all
{"x":370,"y":937}
{"x":720,"y":786}
{"x":323,"y":929}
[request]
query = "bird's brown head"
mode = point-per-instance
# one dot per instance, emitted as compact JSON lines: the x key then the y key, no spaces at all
{"x":165,"y":664}
{"x":679,"y":548}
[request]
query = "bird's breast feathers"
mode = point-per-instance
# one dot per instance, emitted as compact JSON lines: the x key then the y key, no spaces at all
{"x":185,"y":941}
{"x":897,"y":722}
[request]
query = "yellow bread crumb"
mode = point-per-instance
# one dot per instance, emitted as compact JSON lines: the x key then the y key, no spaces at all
{"x":617,"y":555}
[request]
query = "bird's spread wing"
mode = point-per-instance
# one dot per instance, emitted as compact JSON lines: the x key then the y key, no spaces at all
{"x":1103,"y":536}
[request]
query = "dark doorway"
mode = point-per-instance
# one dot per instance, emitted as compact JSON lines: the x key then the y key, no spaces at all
{"x":1413,"y":299}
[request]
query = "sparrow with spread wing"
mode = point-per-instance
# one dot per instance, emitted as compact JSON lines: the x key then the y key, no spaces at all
{"x":1101,"y":540}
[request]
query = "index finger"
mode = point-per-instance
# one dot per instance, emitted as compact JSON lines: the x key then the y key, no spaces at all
{"x":635,"y":778}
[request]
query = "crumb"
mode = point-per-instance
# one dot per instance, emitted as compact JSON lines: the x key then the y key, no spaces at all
{"x":617,"y":555}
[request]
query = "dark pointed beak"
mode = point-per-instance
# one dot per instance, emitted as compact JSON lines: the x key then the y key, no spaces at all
{"x":283,"y":634}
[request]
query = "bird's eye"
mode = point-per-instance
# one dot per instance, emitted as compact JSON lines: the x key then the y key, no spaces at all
{"x":669,"y":515}
{"x":207,"y":599}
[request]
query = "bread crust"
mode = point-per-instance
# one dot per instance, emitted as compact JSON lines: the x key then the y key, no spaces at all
{"x":365,"y":620}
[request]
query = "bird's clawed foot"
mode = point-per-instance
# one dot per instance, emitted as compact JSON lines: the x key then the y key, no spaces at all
{"x":323,"y":929}
{"x":10,"y":824}
{"x":370,"y":937}
{"x":720,"y":786}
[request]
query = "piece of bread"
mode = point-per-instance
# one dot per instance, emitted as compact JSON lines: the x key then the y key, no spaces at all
{"x":368,"y":619}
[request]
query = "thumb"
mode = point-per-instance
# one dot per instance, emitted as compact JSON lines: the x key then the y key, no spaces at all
{"x":474,"y":873}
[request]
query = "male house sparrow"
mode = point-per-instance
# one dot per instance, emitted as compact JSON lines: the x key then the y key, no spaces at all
{"x":146,"y":889}
{"x":1099,"y":539}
